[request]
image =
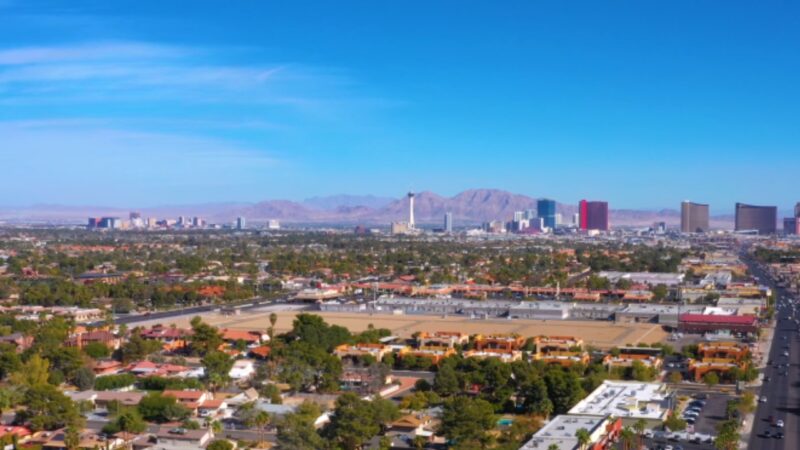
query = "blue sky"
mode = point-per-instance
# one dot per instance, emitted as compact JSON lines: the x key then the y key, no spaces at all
{"x":643,"y":104}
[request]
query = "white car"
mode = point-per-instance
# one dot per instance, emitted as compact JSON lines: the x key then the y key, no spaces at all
{"x":779,"y":424}
{"x":762,"y":399}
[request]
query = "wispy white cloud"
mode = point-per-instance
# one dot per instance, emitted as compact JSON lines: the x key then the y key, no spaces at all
{"x":132,"y":71}
{"x":155,"y":119}
{"x":108,"y":51}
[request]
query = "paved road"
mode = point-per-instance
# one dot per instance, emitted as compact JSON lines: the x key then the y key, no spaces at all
{"x":245,"y":435}
{"x":194,"y":310}
{"x":656,"y":444}
{"x":781,"y":392}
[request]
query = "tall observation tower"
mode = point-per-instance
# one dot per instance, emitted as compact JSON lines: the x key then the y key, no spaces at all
{"x":411,"y":210}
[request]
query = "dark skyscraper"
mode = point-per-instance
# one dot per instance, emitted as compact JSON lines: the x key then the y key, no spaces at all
{"x":791,"y":225}
{"x":763,"y":219}
{"x":546,"y":210}
{"x":593,"y":215}
{"x":694,"y":217}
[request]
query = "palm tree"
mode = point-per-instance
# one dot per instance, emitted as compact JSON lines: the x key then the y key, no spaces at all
{"x":553,"y":447}
{"x":639,"y":427}
{"x":628,"y":438}
{"x":273,"y":319}
{"x":584,"y":437}
{"x":261,"y":421}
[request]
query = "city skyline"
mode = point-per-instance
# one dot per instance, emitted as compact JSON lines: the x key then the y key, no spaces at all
{"x":144,"y":104}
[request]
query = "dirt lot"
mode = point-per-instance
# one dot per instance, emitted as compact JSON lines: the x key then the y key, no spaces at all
{"x":599,"y":334}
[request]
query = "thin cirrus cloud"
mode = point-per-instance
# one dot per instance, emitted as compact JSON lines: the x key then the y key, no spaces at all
{"x":166,"y":118}
{"x":88,"y":52}
{"x":146,"y":72}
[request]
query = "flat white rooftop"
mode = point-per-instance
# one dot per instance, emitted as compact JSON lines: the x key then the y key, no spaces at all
{"x":627,"y":399}
{"x":561,"y":431}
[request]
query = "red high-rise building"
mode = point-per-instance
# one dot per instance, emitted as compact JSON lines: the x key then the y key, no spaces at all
{"x":593,"y":215}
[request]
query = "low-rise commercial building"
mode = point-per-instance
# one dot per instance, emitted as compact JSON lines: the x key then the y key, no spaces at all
{"x":628,"y":400}
{"x":711,"y":323}
{"x":561,"y":432}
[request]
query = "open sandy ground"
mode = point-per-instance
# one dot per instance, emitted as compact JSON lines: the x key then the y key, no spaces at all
{"x":596,"y":333}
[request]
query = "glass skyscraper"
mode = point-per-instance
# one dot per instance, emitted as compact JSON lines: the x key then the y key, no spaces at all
{"x":546,"y":210}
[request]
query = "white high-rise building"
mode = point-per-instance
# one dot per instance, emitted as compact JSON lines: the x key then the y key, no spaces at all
{"x":240,"y":223}
{"x":411,"y":210}
{"x":448,"y":222}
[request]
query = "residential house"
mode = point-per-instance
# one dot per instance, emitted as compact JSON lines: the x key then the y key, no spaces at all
{"x":243,"y":369}
{"x":18,"y":340}
{"x":191,"y":399}
{"x":182,"y":439}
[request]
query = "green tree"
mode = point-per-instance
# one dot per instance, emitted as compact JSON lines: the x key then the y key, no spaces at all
{"x":639,"y":427}
{"x":9,"y":361}
{"x":675,"y":377}
{"x":467,"y":421}
{"x":261,"y":420}
{"x":297,"y":432}
{"x":356,"y":421}
{"x":307,"y":367}
{"x":48,"y":409}
{"x":728,"y":436}
{"x":660,"y":292}
{"x":83,"y":379}
{"x":273,"y":319}
{"x":220,"y":444}
{"x":564,"y":390}
{"x":584,"y":437}
{"x":711,"y":379}
{"x":312,"y":329}
{"x":34,"y":372}
{"x":72,"y":438}
{"x":628,"y":438}
{"x":674,"y":422}
{"x":157,"y":408}
{"x":271,"y":392}
{"x":205,"y":338}
{"x":96,"y":350}
{"x":127,"y":420}
{"x":138,"y":348}
{"x":536,"y":400}
{"x":217,"y":366}
{"x":447,"y":381}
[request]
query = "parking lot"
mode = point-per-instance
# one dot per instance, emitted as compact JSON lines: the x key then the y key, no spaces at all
{"x":712,"y":414}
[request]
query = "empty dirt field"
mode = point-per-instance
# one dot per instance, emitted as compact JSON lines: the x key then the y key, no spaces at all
{"x":596,"y":333}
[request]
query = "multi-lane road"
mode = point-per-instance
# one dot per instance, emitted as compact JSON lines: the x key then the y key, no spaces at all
{"x":781,"y":388}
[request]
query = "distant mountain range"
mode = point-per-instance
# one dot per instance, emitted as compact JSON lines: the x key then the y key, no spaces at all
{"x":468,"y":207}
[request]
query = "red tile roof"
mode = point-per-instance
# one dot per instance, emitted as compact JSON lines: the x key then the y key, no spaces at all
{"x":709,"y":318}
{"x":235,"y":335}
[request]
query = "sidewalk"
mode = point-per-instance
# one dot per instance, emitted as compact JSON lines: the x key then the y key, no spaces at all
{"x":764,"y":347}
